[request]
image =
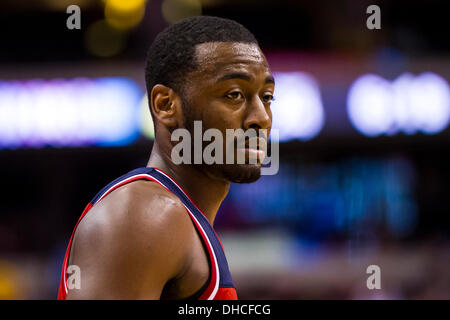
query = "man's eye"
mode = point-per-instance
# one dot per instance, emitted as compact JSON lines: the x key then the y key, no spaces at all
{"x":268,"y":98}
{"x":236,"y":95}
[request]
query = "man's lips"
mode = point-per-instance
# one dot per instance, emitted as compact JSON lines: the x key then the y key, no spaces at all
{"x":255,"y":154}
{"x":255,"y":148}
{"x":256,"y":143}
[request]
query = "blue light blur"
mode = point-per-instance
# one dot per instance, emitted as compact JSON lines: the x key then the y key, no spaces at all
{"x":327,"y":199}
{"x":69,"y":112}
{"x":410,"y":104}
{"x":297,"y":110}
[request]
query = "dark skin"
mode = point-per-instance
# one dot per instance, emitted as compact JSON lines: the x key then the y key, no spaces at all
{"x":139,"y":242}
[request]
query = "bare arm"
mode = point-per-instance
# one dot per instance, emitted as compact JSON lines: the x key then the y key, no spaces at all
{"x":130,"y":244}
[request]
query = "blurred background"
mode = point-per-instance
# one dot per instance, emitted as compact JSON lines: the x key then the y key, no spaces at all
{"x":364,"y":159}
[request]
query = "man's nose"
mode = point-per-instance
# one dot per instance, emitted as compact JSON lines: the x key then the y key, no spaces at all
{"x":258,"y":115}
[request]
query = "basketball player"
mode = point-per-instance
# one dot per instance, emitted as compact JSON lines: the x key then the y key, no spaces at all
{"x":149,"y":234}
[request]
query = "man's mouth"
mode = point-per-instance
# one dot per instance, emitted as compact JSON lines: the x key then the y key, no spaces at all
{"x":255,"y":148}
{"x":255,"y":154}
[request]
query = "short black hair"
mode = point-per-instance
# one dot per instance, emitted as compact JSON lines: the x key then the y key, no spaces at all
{"x":171,"y":55}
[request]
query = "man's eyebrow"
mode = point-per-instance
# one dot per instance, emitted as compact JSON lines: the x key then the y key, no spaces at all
{"x":269,"y":79}
{"x":235,"y":75}
{"x":244,"y":76}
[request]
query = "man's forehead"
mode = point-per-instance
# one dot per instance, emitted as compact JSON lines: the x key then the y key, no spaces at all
{"x":225,"y":55}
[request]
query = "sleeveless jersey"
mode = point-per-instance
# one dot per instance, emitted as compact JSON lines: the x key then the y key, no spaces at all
{"x":220,"y":285}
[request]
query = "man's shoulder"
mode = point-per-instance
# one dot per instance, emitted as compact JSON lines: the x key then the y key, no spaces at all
{"x":142,"y":209}
{"x":139,"y":231}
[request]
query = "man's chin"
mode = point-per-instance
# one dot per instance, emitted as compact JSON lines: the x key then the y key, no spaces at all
{"x":242,"y":173}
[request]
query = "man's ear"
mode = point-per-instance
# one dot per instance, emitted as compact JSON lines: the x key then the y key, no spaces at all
{"x":165,"y":104}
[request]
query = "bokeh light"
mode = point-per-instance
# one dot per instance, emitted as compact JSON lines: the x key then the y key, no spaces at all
{"x":409,"y":104}
{"x":297,"y":110}
{"x":175,"y":10}
{"x":124,"y":14}
{"x":102,"y":40}
{"x":145,"y":119}
{"x":73,"y":112}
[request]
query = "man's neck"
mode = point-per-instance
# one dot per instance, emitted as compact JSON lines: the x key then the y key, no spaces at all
{"x":205,"y":191}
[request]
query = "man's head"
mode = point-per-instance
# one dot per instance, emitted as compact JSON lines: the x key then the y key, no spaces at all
{"x":211,"y":70}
